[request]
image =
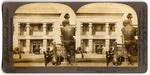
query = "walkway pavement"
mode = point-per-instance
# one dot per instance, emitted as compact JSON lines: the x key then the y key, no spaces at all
{"x":37,"y":60}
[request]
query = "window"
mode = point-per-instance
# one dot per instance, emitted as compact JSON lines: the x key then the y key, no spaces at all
{"x":86,"y":42}
{"x":85,"y":28}
{"x":111,"y":27}
{"x":49,"y":27}
{"x":23,"y":27}
{"x":23,"y":43}
{"x":99,"y":27}
{"x":40,"y":28}
{"x":36,"y":27}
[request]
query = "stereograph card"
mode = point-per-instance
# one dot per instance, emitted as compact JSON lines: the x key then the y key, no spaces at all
{"x":74,"y":37}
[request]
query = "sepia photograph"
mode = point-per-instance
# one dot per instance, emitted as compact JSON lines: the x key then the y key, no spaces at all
{"x":94,"y":35}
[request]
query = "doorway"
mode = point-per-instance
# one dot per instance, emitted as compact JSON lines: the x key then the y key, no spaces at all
{"x":98,"y":48}
{"x":36,"y":47}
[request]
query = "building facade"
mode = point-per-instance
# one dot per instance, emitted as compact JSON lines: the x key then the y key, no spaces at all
{"x":97,"y":25}
{"x":36,"y":28}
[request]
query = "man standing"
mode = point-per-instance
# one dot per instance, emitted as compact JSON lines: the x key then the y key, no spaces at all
{"x":47,"y":56}
{"x":67,"y":38}
{"x":129,"y":33}
{"x":18,"y":52}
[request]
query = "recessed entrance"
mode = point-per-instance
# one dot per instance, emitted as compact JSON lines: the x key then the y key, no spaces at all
{"x":36,"y":46}
{"x":99,"y":46}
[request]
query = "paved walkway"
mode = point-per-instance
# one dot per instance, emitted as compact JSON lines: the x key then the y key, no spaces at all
{"x":37,"y":60}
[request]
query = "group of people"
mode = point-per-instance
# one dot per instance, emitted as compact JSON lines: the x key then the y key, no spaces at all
{"x":53,"y":57}
{"x":114,"y":56}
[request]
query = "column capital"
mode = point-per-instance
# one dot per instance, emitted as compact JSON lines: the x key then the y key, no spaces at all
{"x":28,"y":40}
{"x":107,"y":23}
{"x":90,"y":40}
{"x":44,"y":25}
{"x":90,"y":24}
{"x":107,"y":39}
{"x":45,"y":40}
{"x":19,"y":23}
{"x":52,"y":25}
{"x":27,"y":24}
{"x":81,"y":24}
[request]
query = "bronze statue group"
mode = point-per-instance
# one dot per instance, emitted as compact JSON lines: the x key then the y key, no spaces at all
{"x":68,"y":41}
{"x":130,"y":43}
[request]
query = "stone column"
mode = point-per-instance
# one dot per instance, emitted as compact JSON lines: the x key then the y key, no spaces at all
{"x":78,"y":35}
{"x":81,"y":29}
{"x":18,"y":29}
{"x":119,"y":26}
{"x":53,"y":27}
{"x":19,"y":45}
{"x":44,"y":29}
{"x":107,"y":28}
{"x":28,"y":28}
{"x":90,"y":45}
{"x":107,"y":44}
{"x":90,"y":28}
{"x":115,"y":27}
{"x":57,"y":31}
{"x":27,"y":46}
{"x":44,"y":45}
